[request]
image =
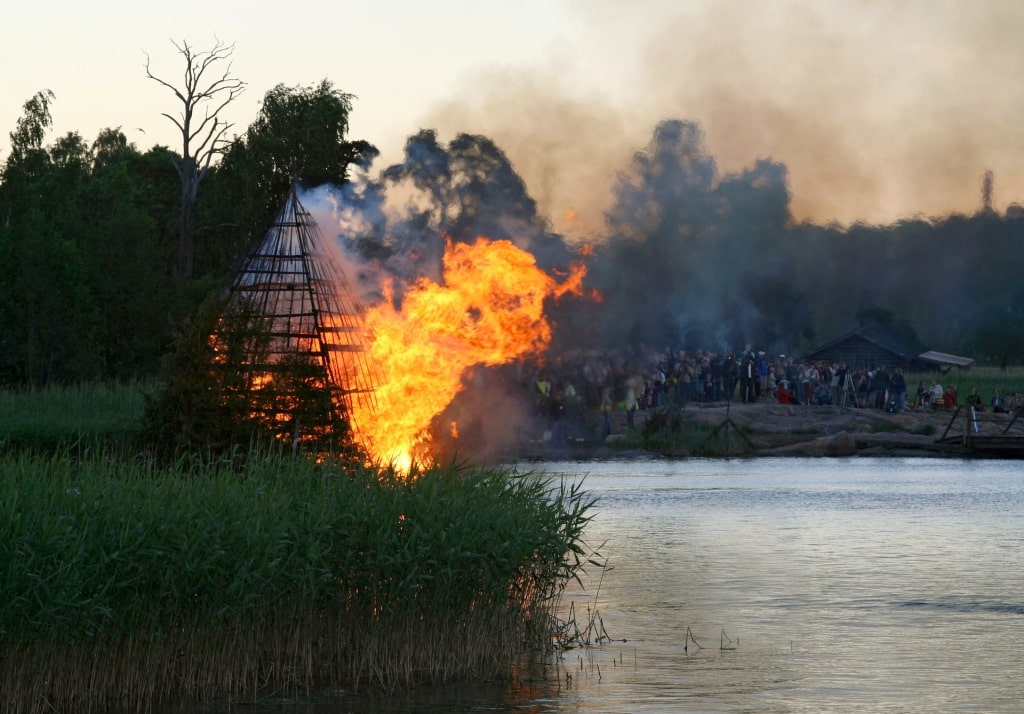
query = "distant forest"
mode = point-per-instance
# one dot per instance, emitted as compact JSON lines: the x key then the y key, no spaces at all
{"x":90,"y":231}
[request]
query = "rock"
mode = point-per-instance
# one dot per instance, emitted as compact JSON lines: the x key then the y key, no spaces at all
{"x":841,"y":444}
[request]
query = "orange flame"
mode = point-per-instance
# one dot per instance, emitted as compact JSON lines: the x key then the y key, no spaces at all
{"x":489,"y":311}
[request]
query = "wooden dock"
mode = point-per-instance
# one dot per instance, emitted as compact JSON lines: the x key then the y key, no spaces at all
{"x":982,"y":434}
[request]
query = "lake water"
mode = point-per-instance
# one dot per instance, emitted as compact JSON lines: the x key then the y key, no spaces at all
{"x":782,"y":585}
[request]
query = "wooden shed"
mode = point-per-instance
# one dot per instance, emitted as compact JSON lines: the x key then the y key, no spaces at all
{"x":874,"y":345}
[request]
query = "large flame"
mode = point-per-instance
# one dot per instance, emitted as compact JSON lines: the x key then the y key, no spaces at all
{"x":489,"y":311}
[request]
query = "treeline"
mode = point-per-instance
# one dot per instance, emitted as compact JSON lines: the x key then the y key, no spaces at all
{"x":89,"y":241}
{"x":703,"y":260}
{"x":90,"y":232}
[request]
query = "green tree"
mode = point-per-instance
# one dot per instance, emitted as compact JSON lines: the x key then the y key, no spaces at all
{"x":299,"y":134}
{"x":83,"y":255}
{"x":50,"y":317}
{"x":28,"y":135}
{"x":126,"y":215}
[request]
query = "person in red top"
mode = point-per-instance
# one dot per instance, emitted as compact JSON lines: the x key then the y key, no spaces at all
{"x":784,"y":395}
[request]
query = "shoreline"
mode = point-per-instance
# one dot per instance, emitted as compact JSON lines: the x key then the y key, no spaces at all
{"x":768,"y":429}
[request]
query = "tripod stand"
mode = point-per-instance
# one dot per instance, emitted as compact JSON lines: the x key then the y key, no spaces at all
{"x":849,"y":393}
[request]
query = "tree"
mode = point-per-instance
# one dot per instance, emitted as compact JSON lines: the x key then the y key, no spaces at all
{"x":202,"y":136}
{"x":83,"y":254}
{"x":28,"y":157}
{"x":299,"y":133}
{"x":664,"y":217}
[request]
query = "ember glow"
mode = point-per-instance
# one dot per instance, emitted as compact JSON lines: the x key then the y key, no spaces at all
{"x":489,"y":311}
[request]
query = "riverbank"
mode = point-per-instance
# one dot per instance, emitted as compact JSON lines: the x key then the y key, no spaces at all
{"x":130,"y":585}
{"x":766,"y":429}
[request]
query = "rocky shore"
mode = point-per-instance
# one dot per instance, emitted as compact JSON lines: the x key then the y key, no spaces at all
{"x":765,"y":429}
{"x":796,"y":430}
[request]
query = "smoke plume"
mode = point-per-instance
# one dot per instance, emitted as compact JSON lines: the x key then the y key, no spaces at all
{"x":881,"y":111}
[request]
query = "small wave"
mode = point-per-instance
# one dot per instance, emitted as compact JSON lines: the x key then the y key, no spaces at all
{"x":1000,"y":607}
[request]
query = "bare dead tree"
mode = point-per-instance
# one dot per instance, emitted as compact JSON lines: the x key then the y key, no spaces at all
{"x":203,"y":96}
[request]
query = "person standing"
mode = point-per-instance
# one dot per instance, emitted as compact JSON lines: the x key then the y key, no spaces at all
{"x":838,"y":374}
{"x":792,"y":372}
{"x":607,"y":407}
{"x":810,"y":382}
{"x":761,"y":387}
{"x":634,"y":384}
{"x":922,"y":396}
{"x":898,"y":388}
{"x":974,"y":400}
{"x":748,"y":373}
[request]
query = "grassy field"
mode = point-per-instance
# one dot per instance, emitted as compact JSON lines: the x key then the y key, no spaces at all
{"x":986,"y":379}
{"x":127,"y":583}
{"x":52,"y":417}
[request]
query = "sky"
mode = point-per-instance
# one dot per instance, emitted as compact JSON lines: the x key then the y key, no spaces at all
{"x":881,"y":110}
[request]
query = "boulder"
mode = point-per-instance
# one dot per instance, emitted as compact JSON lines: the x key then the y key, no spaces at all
{"x":841,"y":444}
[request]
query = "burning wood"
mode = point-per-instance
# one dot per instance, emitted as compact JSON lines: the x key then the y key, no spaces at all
{"x":488,"y":311}
{"x":291,"y":345}
{"x":304,"y":357}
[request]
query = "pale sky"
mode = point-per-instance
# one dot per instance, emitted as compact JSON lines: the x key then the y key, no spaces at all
{"x":881,"y":109}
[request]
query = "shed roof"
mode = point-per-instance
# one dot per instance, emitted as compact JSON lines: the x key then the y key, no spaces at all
{"x":945,"y":359}
{"x":882,"y":337}
{"x":907,"y":349}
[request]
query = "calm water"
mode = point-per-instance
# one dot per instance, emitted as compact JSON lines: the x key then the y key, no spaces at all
{"x":784,"y":586}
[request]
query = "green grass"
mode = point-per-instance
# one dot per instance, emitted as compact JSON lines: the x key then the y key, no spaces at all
{"x":126,"y":584}
{"x":53,"y":417}
{"x":986,"y":379}
{"x":669,"y":431}
{"x":881,"y":426}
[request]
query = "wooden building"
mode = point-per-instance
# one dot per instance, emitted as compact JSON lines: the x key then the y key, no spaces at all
{"x":874,"y":345}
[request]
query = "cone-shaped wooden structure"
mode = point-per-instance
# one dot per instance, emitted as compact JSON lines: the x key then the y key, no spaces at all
{"x":291,"y":344}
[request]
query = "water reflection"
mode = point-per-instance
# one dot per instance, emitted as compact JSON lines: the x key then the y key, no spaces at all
{"x":781,"y":586}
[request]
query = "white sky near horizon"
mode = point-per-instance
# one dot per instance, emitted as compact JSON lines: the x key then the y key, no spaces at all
{"x":880,"y":110}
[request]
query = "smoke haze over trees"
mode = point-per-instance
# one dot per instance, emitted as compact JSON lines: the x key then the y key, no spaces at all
{"x":690,"y":256}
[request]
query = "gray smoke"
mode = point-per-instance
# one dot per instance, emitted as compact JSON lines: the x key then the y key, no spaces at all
{"x":689,"y":256}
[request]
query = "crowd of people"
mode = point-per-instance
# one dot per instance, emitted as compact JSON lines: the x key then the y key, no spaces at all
{"x":603,"y":382}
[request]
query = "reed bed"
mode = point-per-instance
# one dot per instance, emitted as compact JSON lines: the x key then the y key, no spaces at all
{"x":126,"y":584}
{"x":55,"y":416}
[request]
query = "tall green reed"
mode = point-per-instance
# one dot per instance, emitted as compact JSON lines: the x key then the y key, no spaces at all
{"x":52,"y":416}
{"x":126,"y":583}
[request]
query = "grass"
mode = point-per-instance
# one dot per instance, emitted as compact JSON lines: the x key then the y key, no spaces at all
{"x":127,"y":583}
{"x":986,"y":379}
{"x":881,"y":426}
{"x":52,"y":417}
{"x":668,"y":430}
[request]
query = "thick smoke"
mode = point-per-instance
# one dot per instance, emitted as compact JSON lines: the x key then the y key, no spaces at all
{"x":881,"y":110}
{"x":693,"y":257}
{"x":393,"y":229}
{"x":398,"y":222}
{"x":688,"y":256}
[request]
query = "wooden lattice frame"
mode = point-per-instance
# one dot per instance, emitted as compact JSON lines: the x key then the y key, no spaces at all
{"x":291,"y":345}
